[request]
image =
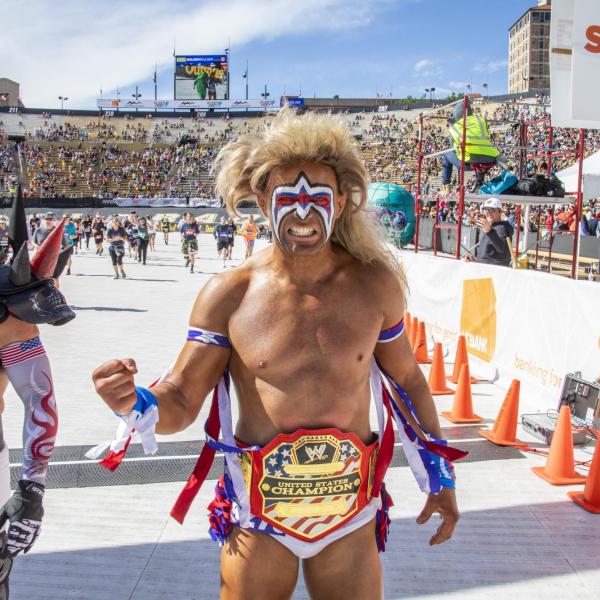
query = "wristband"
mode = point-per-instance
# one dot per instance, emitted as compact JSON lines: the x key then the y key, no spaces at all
{"x":444,"y":471}
{"x":144,"y":400}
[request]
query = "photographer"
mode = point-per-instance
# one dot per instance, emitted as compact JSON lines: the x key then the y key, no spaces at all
{"x":494,"y":246}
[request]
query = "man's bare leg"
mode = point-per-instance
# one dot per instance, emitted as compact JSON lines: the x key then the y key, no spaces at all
{"x":256,"y":566}
{"x":347,"y":568}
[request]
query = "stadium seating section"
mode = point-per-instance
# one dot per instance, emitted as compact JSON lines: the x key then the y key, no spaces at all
{"x":130,"y":156}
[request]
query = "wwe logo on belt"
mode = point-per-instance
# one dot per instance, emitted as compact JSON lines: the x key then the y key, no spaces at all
{"x":316,"y":453}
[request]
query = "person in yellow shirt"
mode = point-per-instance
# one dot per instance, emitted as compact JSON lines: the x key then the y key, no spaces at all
{"x":478,"y":146}
{"x":249,"y":232}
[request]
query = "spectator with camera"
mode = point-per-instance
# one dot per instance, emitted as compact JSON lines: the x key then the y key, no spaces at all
{"x":495,"y":240}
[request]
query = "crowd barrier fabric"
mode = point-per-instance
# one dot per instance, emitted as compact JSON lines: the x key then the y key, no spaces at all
{"x":518,"y":324}
{"x":165,"y":202}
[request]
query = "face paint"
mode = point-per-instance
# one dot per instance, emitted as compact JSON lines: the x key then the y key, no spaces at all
{"x":302,"y":197}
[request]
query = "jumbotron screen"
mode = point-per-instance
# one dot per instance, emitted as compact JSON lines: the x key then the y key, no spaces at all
{"x":201,"y":77}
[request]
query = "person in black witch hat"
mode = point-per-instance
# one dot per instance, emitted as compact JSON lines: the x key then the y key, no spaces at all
{"x":28,"y":297}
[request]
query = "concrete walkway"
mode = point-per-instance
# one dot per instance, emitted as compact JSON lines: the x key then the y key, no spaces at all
{"x":518,"y":538}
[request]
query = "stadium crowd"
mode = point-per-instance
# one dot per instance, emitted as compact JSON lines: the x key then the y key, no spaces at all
{"x":110,"y":156}
{"x":8,"y":169}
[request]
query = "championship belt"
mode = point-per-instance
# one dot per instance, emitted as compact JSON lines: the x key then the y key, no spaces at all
{"x":310,"y":482}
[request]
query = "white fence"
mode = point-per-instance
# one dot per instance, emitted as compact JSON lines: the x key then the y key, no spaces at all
{"x":519,"y":324}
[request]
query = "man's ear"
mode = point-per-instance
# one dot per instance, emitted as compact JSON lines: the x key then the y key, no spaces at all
{"x":341,"y":198}
{"x":263,"y":203}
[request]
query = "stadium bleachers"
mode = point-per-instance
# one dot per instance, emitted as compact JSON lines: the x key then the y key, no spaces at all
{"x":172,"y":156}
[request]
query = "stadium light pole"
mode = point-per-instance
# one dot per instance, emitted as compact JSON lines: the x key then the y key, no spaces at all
{"x":227,"y":72}
{"x":62,"y":99}
{"x":245,"y":76}
{"x":136,"y":96}
{"x":154,"y":78}
{"x":265,"y":95}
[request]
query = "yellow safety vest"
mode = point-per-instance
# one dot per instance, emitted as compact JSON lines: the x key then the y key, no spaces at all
{"x":477,"y":138}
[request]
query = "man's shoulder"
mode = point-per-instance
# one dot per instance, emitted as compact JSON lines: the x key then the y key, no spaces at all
{"x":234,"y":281}
{"x":219,"y":298}
{"x":382,"y":288}
{"x":380,"y":277}
{"x":379,"y":281}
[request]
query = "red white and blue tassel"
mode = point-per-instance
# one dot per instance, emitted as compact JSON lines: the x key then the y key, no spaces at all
{"x":219,"y":517}
{"x":141,"y":420}
{"x":382,"y":520}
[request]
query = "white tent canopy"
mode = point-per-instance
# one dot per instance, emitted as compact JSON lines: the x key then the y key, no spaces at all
{"x":591,"y":177}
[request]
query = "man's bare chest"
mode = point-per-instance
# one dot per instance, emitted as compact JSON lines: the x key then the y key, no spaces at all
{"x":302,"y":329}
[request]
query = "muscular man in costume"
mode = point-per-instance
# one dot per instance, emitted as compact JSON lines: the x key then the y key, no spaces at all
{"x":309,"y":331}
{"x":28,"y":297}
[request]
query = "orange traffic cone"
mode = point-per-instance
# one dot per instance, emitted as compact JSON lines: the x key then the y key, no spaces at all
{"x":407,"y":325}
{"x":462,"y":408}
{"x":504,"y":431}
{"x":560,"y":466}
{"x":420,"y":347}
{"x":462,"y":358}
{"x":590,"y":498}
{"x":437,"y":375}
{"x":414,"y":327}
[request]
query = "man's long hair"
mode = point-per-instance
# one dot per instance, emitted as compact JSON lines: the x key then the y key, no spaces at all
{"x":244,"y":165}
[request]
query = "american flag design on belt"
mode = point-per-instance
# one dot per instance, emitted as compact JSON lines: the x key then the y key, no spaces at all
{"x":320,"y":502}
{"x":18,"y":352}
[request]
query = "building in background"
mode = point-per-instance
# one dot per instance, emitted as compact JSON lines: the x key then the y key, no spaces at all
{"x":9,"y":92}
{"x":529,"y":50}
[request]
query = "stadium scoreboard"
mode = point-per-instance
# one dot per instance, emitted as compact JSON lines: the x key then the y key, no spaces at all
{"x":201,"y":77}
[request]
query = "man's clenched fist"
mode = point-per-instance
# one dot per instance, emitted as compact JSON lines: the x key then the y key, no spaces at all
{"x":114,"y":384}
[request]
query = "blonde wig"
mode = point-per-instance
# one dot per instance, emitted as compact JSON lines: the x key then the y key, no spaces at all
{"x":243,"y":166}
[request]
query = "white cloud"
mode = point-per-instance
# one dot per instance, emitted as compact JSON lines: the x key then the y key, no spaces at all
{"x":422,"y":64}
{"x":73,"y":47}
{"x":458,"y":86}
{"x":427,"y":71}
{"x":491,"y":66}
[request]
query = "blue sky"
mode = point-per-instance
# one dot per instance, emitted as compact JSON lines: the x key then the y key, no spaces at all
{"x":354,"y":48}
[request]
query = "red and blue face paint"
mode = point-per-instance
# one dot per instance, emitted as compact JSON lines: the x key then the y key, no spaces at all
{"x":301,"y":197}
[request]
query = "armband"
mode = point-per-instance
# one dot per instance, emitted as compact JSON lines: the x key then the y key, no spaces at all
{"x":203,"y":336}
{"x":392,"y":333}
